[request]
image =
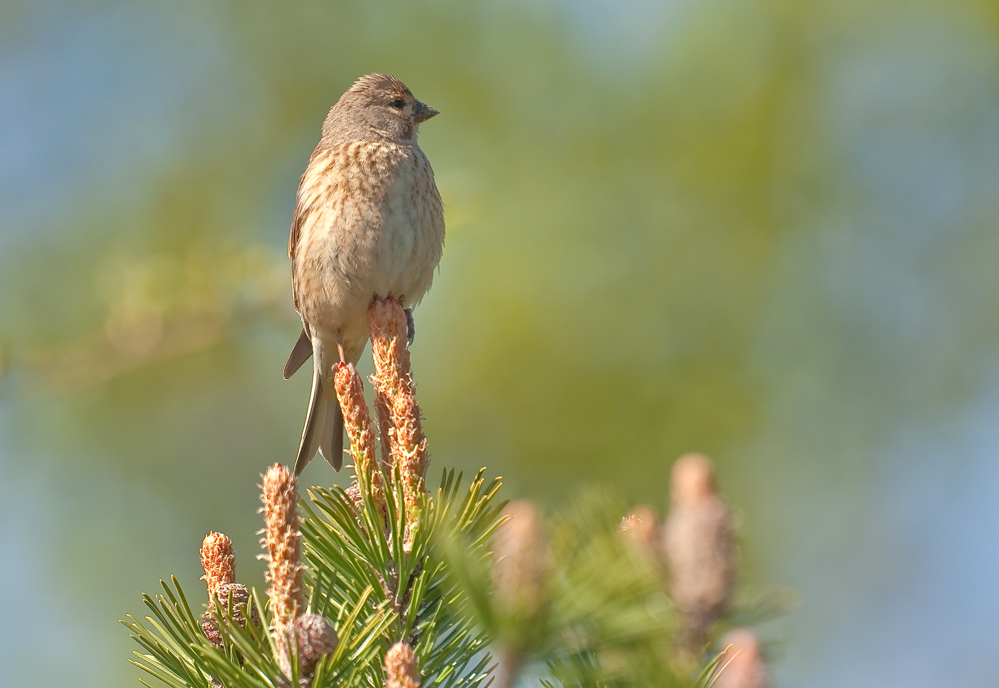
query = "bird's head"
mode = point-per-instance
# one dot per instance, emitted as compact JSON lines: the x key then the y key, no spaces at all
{"x":377,"y":107}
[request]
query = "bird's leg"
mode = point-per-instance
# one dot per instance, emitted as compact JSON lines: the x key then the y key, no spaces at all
{"x":339,"y":347}
{"x":410,"y":325}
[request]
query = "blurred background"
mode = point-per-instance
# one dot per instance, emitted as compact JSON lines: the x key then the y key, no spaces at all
{"x":762,"y":230}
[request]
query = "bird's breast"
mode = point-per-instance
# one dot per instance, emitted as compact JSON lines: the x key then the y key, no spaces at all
{"x":409,"y":242}
{"x":373,"y":227}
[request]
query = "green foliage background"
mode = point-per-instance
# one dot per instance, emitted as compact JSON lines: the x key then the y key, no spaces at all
{"x":762,"y":230}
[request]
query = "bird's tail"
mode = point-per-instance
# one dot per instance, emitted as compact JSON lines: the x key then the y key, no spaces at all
{"x":323,"y":428}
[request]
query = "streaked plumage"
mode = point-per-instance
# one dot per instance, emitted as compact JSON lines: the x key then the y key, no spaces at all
{"x":368,"y":223}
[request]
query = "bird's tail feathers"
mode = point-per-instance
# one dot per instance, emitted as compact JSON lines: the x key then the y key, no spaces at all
{"x":323,"y":429}
{"x":331,"y":443}
{"x":312,"y":432}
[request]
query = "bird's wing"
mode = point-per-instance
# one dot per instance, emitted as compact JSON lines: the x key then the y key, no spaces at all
{"x":308,"y":188}
{"x":300,"y":353}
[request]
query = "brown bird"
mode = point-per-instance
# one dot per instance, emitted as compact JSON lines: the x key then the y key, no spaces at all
{"x":368,"y":224}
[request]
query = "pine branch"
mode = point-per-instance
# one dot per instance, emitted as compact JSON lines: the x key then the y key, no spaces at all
{"x":385,"y":584}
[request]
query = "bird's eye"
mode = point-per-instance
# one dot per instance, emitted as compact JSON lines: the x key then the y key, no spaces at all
{"x":398,"y":103}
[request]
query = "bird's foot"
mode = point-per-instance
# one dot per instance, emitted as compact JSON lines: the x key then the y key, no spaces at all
{"x":410,"y":326}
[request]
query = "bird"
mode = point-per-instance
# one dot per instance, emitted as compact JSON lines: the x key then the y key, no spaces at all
{"x":368,"y":224}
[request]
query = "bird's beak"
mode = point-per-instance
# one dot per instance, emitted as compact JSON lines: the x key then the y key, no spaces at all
{"x":424,"y":112}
